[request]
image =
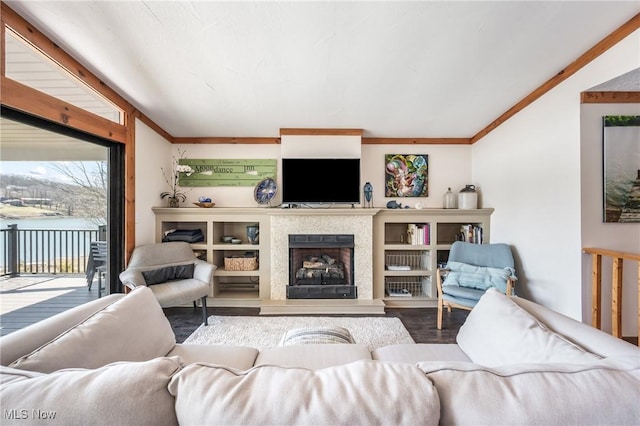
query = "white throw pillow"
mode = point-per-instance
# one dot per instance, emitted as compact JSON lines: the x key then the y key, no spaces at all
{"x":133,"y":328}
{"x":360,"y":393}
{"x":534,"y":394}
{"x":499,"y":332}
{"x":316,"y":335}
{"x":125,"y":393}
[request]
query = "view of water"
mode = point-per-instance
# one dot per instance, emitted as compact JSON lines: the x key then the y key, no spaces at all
{"x":56,"y":244}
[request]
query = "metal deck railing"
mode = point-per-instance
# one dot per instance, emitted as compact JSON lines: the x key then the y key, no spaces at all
{"x":46,"y":251}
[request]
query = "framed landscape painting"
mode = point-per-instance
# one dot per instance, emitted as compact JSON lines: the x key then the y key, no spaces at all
{"x":406,"y":175}
{"x":621,"y":168}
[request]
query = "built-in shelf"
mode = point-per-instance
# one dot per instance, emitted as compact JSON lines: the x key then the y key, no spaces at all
{"x":417,"y":256}
{"x":408,"y":246}
{"x":229,"y":288}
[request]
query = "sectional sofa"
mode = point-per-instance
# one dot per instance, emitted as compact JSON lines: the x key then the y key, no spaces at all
{"x":115,"y":361}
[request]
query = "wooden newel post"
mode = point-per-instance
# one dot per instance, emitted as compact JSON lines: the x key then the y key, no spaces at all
{"x":596,"y":290}
{"x":616,"y":297}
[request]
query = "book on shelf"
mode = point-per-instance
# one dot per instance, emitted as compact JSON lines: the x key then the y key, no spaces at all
{"x":402,"y":292}
{"x":471,"y":234}
{"x":398,"y":268}
{"x":419,"y":234}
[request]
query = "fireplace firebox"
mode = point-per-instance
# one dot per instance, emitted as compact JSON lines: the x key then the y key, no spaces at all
{"x":321,"y":266}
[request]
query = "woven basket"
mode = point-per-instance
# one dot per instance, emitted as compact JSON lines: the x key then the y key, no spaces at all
{"x":240,"y":263}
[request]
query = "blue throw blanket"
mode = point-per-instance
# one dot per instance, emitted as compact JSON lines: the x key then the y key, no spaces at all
{"x":479,"y":277}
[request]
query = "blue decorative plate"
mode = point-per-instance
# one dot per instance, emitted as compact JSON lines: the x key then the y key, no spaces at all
{"x":265,"y":190}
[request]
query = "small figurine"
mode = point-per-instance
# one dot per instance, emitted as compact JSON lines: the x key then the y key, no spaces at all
{"x":393,"y":204}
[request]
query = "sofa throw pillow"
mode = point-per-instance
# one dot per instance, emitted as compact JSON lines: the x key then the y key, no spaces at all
{"x":478,"y":277}
{"x":499,"y":332}
{"x":134,"y":328}
{"x":168,"y":273}
{"x":534,"y":394}
{"x":315,"y":335}
{"x":124,"y":393}
{"x":358,"y":393}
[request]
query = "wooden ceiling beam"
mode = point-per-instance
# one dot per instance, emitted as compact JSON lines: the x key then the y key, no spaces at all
{"x":55,"y":53}
{"x":416,"y":141}
{"x":50,"y":49}
{"x":610,"y":97}
{"x":31,"y":101}
{"x":275,"y":140}
{"x":320,"y":132}
{"x":228,"y":140}
{"x":605,"y":44}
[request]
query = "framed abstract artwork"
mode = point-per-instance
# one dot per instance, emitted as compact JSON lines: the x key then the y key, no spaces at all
{"x":406,"y":175}
{"x":621,"y":168}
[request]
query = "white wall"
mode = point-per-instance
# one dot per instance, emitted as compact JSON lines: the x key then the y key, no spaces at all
{"x":595,"y":233}
{"x":227,"y":196}
{"x":152,"y":152}
{"x":529,"y":171}
{"x":448,"y":167}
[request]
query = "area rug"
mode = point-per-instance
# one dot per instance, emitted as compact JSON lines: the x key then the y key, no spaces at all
{"x":266,"y":332}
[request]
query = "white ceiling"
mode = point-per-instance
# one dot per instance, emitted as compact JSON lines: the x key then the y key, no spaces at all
{"x":392,"y":68}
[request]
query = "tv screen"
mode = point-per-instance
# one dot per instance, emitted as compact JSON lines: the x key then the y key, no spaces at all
{"x":320,"y":180}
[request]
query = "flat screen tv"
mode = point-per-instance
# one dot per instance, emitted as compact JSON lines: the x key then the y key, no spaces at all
{"x":320,"y":181}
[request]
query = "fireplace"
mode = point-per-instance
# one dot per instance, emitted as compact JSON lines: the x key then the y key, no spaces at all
{"x":321,"y":266}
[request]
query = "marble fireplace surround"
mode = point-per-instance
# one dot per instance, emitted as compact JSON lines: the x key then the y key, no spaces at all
{"x":358,"y":222}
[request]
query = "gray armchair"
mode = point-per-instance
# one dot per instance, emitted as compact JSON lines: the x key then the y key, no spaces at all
{"x":173,"y":273}
{"x":471,"y":270}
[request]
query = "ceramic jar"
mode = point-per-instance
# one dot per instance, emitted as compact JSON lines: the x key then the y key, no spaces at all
{"x":253,"y":234}
{"x":468,"y":198}
{"x":449,"y":200}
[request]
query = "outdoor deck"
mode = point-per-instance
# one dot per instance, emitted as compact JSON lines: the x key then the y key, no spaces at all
{"x":27,"y":299}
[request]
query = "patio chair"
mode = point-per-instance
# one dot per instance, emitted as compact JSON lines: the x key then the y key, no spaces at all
{"x":173,"y":273}
{"x":97,"y":264}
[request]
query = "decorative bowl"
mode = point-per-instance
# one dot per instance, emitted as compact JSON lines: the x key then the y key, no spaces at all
{"x":227,"y":238}
{"x":236,"y":241}
{"x":205,"y":205}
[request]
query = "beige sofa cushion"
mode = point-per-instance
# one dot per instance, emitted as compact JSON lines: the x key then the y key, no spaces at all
{"x":498,"y":332}
{"x":313,"y":357}
{"x":360,"y":393}
{"x":528,"y":394}
{"x":30,"y":338}
{"x":591,"y":339}
{"x":414,"y":353}
{"x":117,"y":394}
{"x":240,"y":357}
{"x":134,"y":328}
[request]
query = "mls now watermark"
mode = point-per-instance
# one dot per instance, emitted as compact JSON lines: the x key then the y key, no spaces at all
{"x":17,"y":414}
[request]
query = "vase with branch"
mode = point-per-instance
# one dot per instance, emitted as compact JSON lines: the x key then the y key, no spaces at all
{"x":175,"y":195}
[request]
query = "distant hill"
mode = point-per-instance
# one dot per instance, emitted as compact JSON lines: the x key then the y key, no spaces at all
{"x":60,"y":199}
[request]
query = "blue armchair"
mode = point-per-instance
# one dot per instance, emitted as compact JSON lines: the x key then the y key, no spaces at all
{"x":470,"y":271}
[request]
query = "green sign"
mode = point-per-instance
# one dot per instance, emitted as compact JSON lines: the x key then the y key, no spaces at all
{"x":226,"y":172}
